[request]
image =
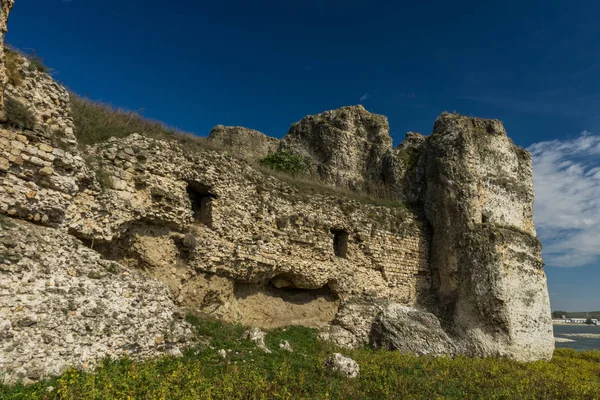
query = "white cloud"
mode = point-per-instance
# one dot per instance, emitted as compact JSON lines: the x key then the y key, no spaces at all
{"x":566,"y":176}
{"x":364,"y":97}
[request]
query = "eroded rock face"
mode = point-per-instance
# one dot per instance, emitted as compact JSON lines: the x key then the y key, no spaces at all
{"x":403,"y":169}
{"x":347,"y":145}
{"x":354,"y":321}
{"x":63,"y":306}
{"x":243,"y":142}
{"x":485,"y":255}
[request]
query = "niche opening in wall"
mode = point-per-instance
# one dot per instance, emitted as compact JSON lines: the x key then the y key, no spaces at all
{"x":340,"y":242}
{"x":202,"y":202}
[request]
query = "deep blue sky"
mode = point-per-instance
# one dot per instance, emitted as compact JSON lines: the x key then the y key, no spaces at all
{"x":266,"y":64}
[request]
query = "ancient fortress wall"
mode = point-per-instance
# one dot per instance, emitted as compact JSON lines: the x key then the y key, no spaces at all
{"x":449,"y":263}
{"x":210,"y":213}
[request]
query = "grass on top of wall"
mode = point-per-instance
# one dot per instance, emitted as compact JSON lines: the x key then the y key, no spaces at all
{"x":96,"y":122}
{"x":308,"y":185}
{"x":248,"y":373}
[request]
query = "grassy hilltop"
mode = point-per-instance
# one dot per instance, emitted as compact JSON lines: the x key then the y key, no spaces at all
{"x":248,"y":373}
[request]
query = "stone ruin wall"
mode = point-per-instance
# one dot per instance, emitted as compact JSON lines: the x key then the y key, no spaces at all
{"x":261,"y":228}
{"x":140,"y":221}
{"x":40,"y":164}
{"x":260,"y":231}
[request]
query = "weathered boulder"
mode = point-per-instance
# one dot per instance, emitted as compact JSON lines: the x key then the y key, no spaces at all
{"x":485,"y":256}
{"x":353,"y":322}
{"x":347,"y":146}
{"x":63,"y":306}
{"x":243,"y":142}
{"x":341,"y":365}
{"x":408,"y":330}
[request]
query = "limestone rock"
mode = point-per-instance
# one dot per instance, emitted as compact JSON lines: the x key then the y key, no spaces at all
{"x":43,"y":106}
{"x":340,"y":365}
{"x":406,"y":329}
{"x":353,"y":322}
{"x":244,"y":142}
{"x":64,"y":306}
{"x":479,"y":198}
{"x":257,"y":336}
{"x":285,"y":346}
{"x":403,"y":169}
{"x":347,"y":145}
{"x":43,"y":166}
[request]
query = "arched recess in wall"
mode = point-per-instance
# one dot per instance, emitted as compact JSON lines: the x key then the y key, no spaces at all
{"x":201,"y":198}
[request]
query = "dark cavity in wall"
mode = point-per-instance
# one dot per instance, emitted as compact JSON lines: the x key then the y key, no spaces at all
{"x":340,"y":242}
{"x":202,"y":202}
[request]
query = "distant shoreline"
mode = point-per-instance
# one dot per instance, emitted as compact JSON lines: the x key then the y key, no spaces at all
{"x":571,"y":323}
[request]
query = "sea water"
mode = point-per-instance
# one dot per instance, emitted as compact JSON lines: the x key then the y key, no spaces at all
{"x":580,"y":343}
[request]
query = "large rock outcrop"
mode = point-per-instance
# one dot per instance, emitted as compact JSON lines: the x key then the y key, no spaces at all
{"x":351,"y":148}
{"x":346,"y":145}
{"x":62,"y":304}
{"x":485,"y":256}
{"x":243,"y":142}
{"x":146,"y":228}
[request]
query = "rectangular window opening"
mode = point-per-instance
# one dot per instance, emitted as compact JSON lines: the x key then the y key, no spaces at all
{"x":202,"y":203}
{"x":340,"y":243}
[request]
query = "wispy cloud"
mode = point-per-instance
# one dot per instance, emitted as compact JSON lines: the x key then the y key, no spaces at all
{"x":566,"y":175}
{"x":364,"y":97}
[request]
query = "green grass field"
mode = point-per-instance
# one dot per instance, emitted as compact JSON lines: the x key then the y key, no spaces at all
{"x":248,"y":373}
